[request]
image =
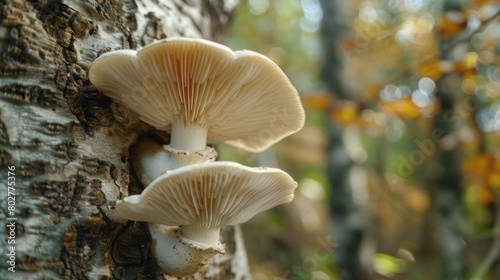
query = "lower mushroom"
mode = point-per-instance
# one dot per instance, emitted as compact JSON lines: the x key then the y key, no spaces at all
{"x":200,"y":199}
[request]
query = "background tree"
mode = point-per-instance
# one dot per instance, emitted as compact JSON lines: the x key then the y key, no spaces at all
{"x":422,"y":103}
{"x":349,"y":218}
{"x":70,"y":145}
{"x":401,"y":140}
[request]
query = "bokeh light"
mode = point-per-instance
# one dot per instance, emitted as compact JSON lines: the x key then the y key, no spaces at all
{"x":420,"y":81}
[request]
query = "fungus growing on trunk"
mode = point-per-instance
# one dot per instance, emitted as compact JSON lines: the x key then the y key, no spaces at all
{"x":196,"y":201}
{"x":202,"y":92}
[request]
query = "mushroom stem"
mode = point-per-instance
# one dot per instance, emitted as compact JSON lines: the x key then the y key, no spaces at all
{"x":208,"y":236}
{"x":188,"y":137}
{"x":177,"y":255}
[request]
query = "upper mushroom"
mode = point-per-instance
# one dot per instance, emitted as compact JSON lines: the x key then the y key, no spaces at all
{"x":201,"y":92}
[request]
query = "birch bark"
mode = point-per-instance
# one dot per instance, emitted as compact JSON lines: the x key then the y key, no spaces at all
{"x":70,"y":145}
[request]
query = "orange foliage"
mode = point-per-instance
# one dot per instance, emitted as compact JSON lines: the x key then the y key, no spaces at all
{"x":452,"y":23}
{"x":476,"y":165}
{"x":485,"y":195}
{"x":467,"y":66}
{"x":493,"y":180}
{"x":345,"y":112}
{"x":434,"y":68}
{"x":373,"y":92}
{"x":480,"y":3}
{"x":416,"y":199}
{"x":494,"y":177}
{"x":317,"y":101}
{"x":403,"y":108}
{"x":485,"y":167}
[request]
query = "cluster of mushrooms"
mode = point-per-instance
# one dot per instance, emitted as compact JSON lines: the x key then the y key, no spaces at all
{"x":201,"y":92}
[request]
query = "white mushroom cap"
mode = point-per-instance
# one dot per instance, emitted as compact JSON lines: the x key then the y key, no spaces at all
{"x":204,"y":197}
{"x":203,"y":88}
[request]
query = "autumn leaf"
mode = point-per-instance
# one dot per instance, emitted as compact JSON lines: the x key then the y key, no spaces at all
{"x":477,"y":165}
{"x":494,"y":176}
{"x":345,"y":112}
{"x":467,"y":66}
{"x":481,"y":3}
{"x":403,"y":108}
{"x":417,"y":200}
{"x":452,"y":23}
{"x":434,"y":68}
{"x":486,"y":168}
{"x":485,"y":195}
{"x":373,"y":92}
{"x":493,"y":180}
{"x":317,"y":101}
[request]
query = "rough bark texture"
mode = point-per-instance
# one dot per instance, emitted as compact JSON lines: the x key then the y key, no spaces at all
{"x":70,"y":145}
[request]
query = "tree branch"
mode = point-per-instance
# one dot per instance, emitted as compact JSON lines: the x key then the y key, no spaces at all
{"x":493,"y":254}
{"x":459,"y":41}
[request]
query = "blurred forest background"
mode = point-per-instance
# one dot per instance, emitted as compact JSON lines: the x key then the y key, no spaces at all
{"x":399,"y":163}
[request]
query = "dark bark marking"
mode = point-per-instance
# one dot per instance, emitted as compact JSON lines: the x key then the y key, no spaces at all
{"x":81,"y":26}
{"x":81,"y":242}
{"x":95,"y":108}
{"x":97,"y":166}
{"x":56,"y":198}
{"x":219,"y":19}
{"x":133,"y":235}
{"x":130,"y":8}
{"x":65,"y":25}
{"x":129,"y":42}
{"x":114,"y":172}
{"x":4,"y":134}
{"x":95,"y":196}
{"x":112,"y":11}
{"x":32,"y":94}
{"x":25,"y":47}
{"x":66,"y":149}
{"x":51,"y":128}
{"x":153,"y":31}
{"x":130,"y":257}
{"x":5,"y":158}
{"x":38,"y":167}
{"x":30,"y":263}
{"x":26,"y":212}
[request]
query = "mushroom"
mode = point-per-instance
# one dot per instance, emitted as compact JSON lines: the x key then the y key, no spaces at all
{"x":202,"y":92}
{"x":188,"y":206}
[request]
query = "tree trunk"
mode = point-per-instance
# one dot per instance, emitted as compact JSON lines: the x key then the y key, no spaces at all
{"x":66,"y":147}
{"x":349,"y":218}
{"x":448,"y":195}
